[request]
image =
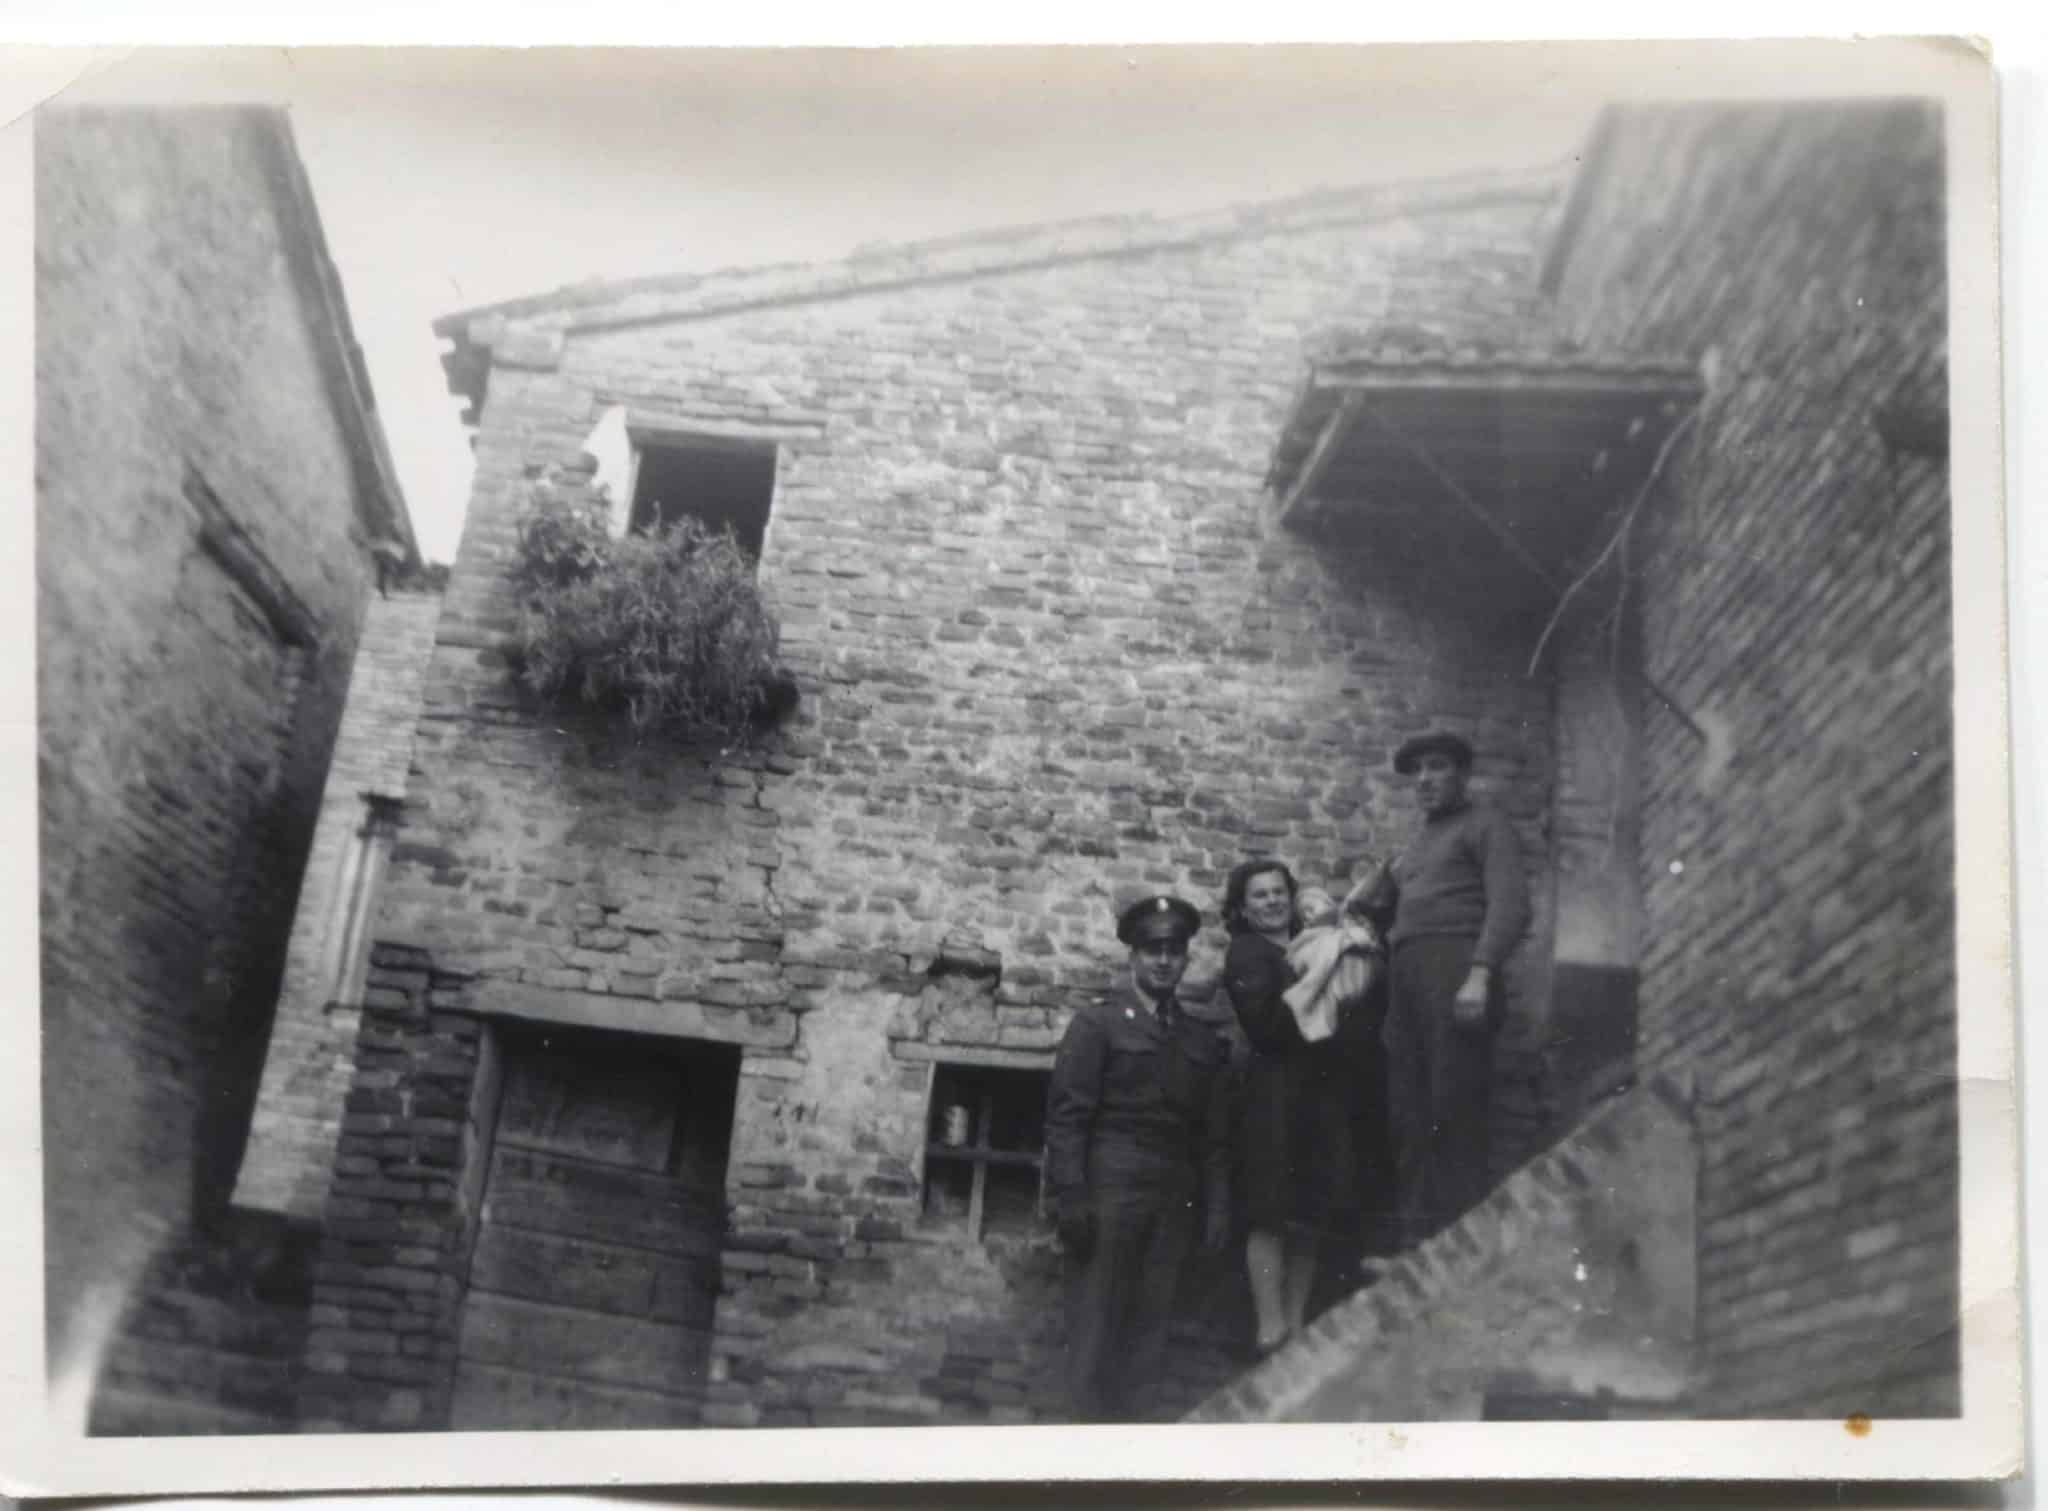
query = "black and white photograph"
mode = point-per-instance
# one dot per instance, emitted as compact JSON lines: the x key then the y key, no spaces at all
{"x":1070,"y":752}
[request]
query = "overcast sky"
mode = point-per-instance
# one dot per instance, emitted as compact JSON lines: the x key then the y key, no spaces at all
{"x":448,"y":178}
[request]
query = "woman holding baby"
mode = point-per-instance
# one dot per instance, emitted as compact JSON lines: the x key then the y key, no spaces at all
{"x":1297,"y":1164}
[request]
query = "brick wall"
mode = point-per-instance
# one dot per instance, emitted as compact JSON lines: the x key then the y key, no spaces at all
{"x":1567,"y":1292}
{"x":215,"y":1339}
{"x":401,"y":1207}
{"x":1796,"y":863}
{"x":184,"y":736}
{"x":306,"y":1069}
{"x":1052,"y":649}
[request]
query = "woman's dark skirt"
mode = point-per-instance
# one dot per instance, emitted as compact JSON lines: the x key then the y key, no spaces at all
{"x":1298,"y":1164}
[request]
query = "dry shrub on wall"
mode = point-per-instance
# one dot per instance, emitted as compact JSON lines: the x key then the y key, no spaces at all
{"x":666,"y":627}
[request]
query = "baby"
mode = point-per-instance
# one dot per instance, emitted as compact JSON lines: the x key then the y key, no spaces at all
{"x":1337,"y":956}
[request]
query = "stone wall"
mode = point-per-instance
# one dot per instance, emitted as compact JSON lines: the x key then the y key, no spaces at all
{"x":1796,"y":858}
{"x":200,"y":578}
{"x":1053,"y":649}
{"x":306,"y":1069}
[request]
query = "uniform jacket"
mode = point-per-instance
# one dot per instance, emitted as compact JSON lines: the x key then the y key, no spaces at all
{"x":1158,"y":1084}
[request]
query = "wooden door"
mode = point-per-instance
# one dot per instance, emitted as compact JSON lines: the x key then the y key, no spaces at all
{"x":595,"y":1270}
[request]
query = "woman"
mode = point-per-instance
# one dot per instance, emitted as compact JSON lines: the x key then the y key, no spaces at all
{"x":1295,"y":1146}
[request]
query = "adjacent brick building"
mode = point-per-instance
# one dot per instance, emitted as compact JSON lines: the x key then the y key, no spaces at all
{"x":1107,"y":555}
{"x":212,"y":487}
{"x":1797,"y":844}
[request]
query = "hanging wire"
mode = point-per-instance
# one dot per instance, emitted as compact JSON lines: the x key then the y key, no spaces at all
{"x":1617,"y":542}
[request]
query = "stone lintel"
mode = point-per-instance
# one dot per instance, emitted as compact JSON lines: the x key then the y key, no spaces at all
{"x":962,"y":1054}
{"x":751,"y":1027}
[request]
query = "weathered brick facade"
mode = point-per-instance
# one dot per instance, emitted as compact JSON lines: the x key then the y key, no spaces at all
{"x":1053,"y":648}
{"x":387,"y":1281}
{"x":1056,"y":646}
{"x":310,"y":1059}
{"x":1797,"y":865}
{"x":216,"y":1336}
{"x":209,"y":478}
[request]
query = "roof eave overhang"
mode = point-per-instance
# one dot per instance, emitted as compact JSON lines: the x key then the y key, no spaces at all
{"x":1352,"y":418}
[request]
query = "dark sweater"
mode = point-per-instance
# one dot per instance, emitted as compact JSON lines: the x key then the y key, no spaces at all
{"x":1462,"y":874}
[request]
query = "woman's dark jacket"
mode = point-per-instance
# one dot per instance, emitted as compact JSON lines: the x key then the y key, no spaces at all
{"x":1297,"y":1165}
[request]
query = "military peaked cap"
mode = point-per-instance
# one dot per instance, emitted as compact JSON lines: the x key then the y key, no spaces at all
{"x":1158,"y":917}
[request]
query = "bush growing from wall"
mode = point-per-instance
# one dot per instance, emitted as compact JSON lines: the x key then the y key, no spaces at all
{"x":667,"y":627}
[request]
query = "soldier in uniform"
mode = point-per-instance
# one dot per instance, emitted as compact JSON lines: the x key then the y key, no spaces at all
{"x":1137,"y":1143}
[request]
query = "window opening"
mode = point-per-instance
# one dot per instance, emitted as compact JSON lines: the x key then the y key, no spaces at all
{"x":985,"y":1150}
{"x":721,"y":484}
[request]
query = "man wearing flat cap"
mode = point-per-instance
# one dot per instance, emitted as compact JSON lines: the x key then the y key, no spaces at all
{"x":1137,"y":1143}
{"x":1462,"y":904}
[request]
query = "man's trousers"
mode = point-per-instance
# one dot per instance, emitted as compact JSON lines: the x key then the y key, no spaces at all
{"x":1120,"y":1297}
{"x":1439,"y":1083}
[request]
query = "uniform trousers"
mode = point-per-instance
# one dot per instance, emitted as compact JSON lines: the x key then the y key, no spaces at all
{"x":1120,"y":1296}
{"x":1439,"y":1084}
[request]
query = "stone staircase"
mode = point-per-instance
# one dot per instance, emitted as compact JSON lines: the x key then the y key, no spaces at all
{"x":1567,"y":1293}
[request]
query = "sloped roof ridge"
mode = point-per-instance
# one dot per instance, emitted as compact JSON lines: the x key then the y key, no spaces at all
{"x":1014,"y":246}
{"x":379,"y":494}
